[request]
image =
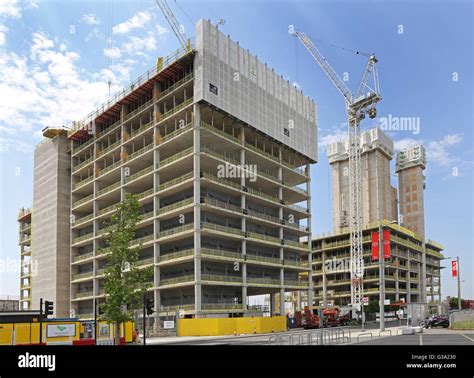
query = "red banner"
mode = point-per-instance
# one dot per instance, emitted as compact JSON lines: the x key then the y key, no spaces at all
{"x":386,"y":244}
{"x":375,"y":245}
{"x":454,"y":268}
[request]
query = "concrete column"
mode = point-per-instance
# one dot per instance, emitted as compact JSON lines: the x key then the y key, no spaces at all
{"x":156,"y":231}
{"x":282,"y":302}
{"x":197,"y":209}
{"x":272,"y":304}
{"x":408,"y":299}
{"x":243,"y":224}
{"x":423,"y":274}
{"x":325,"y":292}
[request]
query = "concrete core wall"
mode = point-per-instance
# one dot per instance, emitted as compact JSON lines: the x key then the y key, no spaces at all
{"x":50,"y":228}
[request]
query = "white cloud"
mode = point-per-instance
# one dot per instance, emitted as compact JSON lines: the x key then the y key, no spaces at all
{"x":10,"y":8}
{"x":46,"y":87}
{"x":112,"y":53}
{"x":136,"y":44}
{"x":401,"y":144}
{"x":161,"y":30}
{"x":336,"y":133}
{"x":438,"y":151}
{"x":3,"y":30}
{"x":90,"y":19}
{"x":137,"y":21}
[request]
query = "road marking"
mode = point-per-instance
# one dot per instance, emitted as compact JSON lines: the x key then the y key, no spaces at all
{"x":421,"y":340}
{"x":467,"y":337}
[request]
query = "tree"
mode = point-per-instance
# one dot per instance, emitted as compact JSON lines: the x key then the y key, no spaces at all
{"x":125,"y":283}
{"x":453,"y":303}
{"x":372,"y":307}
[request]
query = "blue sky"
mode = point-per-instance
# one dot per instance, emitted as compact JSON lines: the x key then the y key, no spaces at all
{"x":55,"y":61}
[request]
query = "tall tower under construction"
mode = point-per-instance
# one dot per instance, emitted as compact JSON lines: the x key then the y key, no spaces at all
{"x":378,"y":196}
{"x":410,"y":165}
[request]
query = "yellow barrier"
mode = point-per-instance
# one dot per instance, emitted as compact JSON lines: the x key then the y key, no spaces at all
{"x":227,"y":326}
{"x":28,"y":333}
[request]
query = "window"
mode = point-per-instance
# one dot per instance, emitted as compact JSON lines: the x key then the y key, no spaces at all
{"x":286,"y":131}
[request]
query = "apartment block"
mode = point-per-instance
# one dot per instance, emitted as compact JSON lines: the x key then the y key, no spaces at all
{"x":410,"y":165}
{"x":24,"y":241}
{"x":378,"y":196}
{"x":218,"y":149}
{"x":51,"y":221}
{"x":404,"y":278}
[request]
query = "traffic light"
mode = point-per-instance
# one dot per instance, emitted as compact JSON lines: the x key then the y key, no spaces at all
{"x":149,"y":306}
{"x":48,"y":308}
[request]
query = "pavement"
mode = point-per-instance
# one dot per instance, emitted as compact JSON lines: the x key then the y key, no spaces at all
{"x":370,"y":336}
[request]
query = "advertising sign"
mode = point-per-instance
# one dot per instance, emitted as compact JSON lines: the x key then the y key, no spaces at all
{"x":60,"y":330}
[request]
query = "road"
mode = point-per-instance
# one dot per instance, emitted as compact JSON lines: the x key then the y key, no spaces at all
{"x":428,"y":337}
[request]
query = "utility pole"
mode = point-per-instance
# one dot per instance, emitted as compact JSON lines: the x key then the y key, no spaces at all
{"x":41,"y":321}
{"x":459,"y":283}
{"x":382,"y":280}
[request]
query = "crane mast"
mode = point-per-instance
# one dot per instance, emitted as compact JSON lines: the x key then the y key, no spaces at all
{"x":356,"y":108}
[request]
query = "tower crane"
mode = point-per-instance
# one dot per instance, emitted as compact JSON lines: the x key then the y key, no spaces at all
{"x":177,"y":29}
{"x":357,"y":106}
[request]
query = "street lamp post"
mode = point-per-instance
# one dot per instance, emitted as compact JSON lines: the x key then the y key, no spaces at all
{"x":382,"y":281}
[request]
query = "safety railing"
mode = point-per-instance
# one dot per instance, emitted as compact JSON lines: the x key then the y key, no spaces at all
{"x":176,"y":230}
{"x":176,"y":180}
{"x":271,"y":239}
{"x":296,"y":283}
{"x":142,"y":240}
{"x":221,"y":306}
{"x":220,"y":278}
{"x":263,"y":259}
{"x":176,"y":109}
{"x":259,"y":193}
{"x":141,"y":151}
{"x":109,"y":148}
{"x":221,"y":181}
{"x":144,"y":194}
{"x":176,"y":205}
{"x":83,"y":294}
{"x":315,"y":337}
{"x":82,"y":238}
{"x":172,"y":87}
{"x":263,"y":281}
{"x":106,"y":209}
{"x":81,"y":276}
{"x":219,"y":228}
{"x":109,"y":168}
{"x":107,"y":130}
{"x":144,"y":262}
{"x":138,"y":174}
{"x":174,"y":133}
{"x":82,"y":164}
{"x":109,"y":188}
{"x":139,"y":109}
{"x":83,"y":219}
{"x":83,"y":182}
{"x":82,"y":257}
{"x":221,"y":253}
{"x":177,"y":255}
{"x":176,"y":280}
{"x":175,"y":157}
{"x":222,"y":133}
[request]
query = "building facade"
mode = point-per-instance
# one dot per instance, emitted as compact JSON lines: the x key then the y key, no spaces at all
{"x":26,"y":274}
{"x":218,"y":148}
{"x":404,"y":279}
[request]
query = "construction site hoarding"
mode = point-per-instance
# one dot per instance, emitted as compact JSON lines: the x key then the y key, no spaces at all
{"x":232,"y":79}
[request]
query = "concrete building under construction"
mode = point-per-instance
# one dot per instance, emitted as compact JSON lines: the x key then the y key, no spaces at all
{"x":221,"y":167}
{"x":26,"y":251}
{"x":412,"y":274}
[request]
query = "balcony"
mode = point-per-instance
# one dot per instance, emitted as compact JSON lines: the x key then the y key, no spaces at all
{"x":142,"y":240}
{"x":84,"y":256}
{"x":83,"y":164}
{"x":223,"y":134}
{"x":109,"y":168}
{"x":109,"y":188}
{"x":176,"y":85}
{"x":141,"y":173}
{"x":221,"y":306}
{"x":175,"y":157}
{"x":177,"y":255}
{"x":141,"y":151}
{"x":82,"y":238}
{"x":107,"y":130}
{"x":81,"y":276}
{"x":263,"y":281}
{"x":175,"y":230}
{"x":83,"y":182}
{"x":222,"y":229}
{"x":139,"y":109}
{"x":109,"y":148}
{"x":297,"y":283}
{"x":266,"y":238}
{"x":176,"y":109}
{"x":221,"y":278}
{"x":174,"y":133}
{"x":176,"y":181}
{"x":219,"y":253}
{"x":144,"y":262}
{"x":177,"y":280}
{"x":263,"y":259}
{"x":176,"y":205}
{"x":83,"y":294}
